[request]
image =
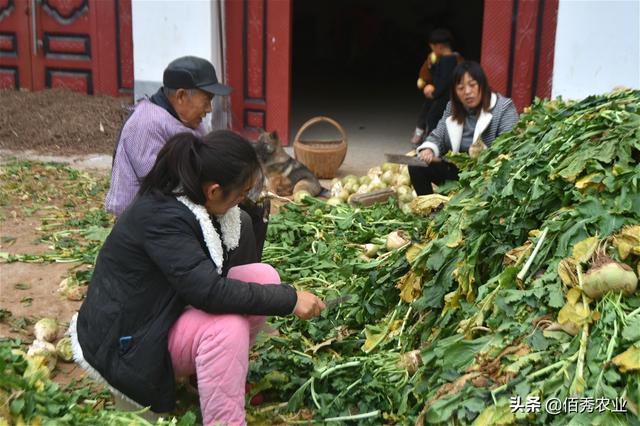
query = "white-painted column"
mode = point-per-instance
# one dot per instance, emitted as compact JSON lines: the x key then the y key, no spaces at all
{"x":164,"y":30}
{"x":597,"y":47}
{"x":221,"y":104}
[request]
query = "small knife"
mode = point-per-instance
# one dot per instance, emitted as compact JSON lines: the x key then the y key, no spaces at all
{"x":408,"y":160}
{"x":337,"y":301}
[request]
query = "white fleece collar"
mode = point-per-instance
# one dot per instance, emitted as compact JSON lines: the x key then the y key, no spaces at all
{"x":229,"y":225}
{"x":455,"y":129}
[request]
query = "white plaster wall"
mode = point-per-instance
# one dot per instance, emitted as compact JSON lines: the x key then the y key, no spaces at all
{"x":164,"y":30}
{"x":597,"y":47}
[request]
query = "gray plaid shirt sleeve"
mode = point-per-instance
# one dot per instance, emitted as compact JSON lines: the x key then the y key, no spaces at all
{"x":504,"y":118}
{"x":508,"y":117}
{"x":439,"y":135}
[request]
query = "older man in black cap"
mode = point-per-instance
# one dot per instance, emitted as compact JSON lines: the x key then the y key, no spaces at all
{"x":180,"y":105}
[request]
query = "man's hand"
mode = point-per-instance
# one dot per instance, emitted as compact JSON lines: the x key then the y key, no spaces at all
{"x":428,"y":91}
{"x":427,"y":156}
{"x":308,"y":305}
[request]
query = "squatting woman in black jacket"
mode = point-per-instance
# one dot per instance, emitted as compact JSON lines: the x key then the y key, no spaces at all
{"x":161,"y":303}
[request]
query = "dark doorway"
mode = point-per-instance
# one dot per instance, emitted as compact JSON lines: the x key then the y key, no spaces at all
{"x":358,"y":60}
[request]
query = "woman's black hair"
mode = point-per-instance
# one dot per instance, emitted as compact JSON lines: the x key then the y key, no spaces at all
{"x":188,"y":161}
{"x":475,"y":72}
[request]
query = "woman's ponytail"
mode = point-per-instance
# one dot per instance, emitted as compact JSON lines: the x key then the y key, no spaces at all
{"x":187,"y":161}
{"x":177,"y":169}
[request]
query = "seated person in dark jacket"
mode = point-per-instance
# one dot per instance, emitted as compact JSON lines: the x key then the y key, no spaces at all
{"x":474,"y":117}
{"x":163,"y":302}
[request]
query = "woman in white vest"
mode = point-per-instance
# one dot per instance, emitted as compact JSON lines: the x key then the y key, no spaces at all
{"x":474,"y":114}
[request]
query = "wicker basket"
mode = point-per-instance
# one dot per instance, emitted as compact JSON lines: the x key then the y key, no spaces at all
{"x":322,"y":157}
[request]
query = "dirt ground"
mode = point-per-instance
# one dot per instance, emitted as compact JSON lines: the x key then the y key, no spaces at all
{"x":54,"y":122}
{"x":28,"y":291}
{"x":60,"y":122}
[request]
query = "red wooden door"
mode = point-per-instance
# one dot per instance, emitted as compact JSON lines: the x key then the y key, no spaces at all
{"x":82,"y":45}
{"x":15,"y":54}
{"x":259,"y":65}
{"x":518,"y":39}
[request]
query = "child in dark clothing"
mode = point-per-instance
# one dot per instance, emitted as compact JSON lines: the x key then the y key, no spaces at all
{"x":435,"y":82}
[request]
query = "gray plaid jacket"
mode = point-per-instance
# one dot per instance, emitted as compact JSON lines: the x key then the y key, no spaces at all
{"x":500,"y":118}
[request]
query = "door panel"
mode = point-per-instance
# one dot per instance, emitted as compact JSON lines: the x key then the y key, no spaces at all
{"x":518,"y":48}
{"x":66,"y":48}
{"x":278,"y":52}
{"x":15,"y":53}
{"x":259,"y":65}
{"x":83,"y":45}
{"x":113,"y":67}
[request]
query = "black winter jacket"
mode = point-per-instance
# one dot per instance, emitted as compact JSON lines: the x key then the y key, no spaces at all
{"x":153,"y":264}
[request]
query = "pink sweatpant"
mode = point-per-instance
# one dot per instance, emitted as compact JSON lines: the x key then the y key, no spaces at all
{"x":216,"y":349}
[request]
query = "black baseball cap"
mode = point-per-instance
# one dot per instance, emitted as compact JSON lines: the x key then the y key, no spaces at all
{"x":191,"y":72}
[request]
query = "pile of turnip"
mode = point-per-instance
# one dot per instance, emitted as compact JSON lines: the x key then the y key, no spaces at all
{"x":382,"y":247}
{"x":389,"y":175}
{"x":46,"y":333}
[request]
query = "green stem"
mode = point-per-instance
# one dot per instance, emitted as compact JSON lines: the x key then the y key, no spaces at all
{"x":328,"y":371}
{"x":552,"y":366}
{"x":273,"y":407}
{"x":633,"y":313}
{"x":312,"y":279}
{"x":314,"y":396}
{"x":301,"y":354}
{"x":404,"y":322}
{"x":610,"y":348}
{"x":562,"y":363}
{"x":344,"y":392}
{"x":577,"y":386}
{"x":301,"y":268}
{"x":268,"y":259}
{"x":525,"y":269}
{"x":356,"y":417}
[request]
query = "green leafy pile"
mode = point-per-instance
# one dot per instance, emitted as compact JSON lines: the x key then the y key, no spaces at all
{"x":488,"y":288}
{"x":28,"y":396}
{"x":318,"y":247}
{"x":68,"y":204}
{"x":568,"y":171}
{"x":67,"y":201}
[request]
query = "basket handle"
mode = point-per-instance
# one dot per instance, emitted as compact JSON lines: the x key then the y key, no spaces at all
{"x":319,"y":119}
